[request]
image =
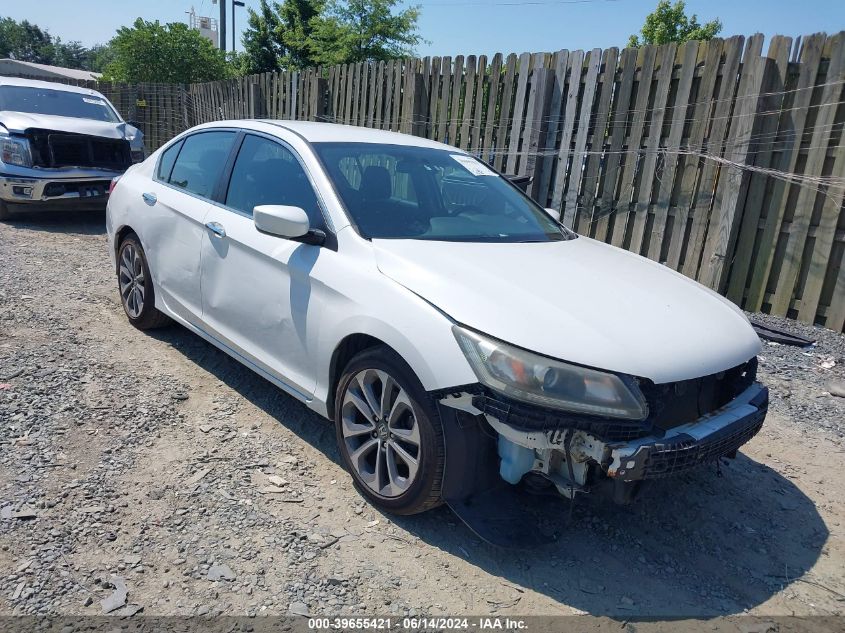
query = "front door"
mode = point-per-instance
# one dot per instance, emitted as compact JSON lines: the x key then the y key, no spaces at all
{"x":256,"y":288}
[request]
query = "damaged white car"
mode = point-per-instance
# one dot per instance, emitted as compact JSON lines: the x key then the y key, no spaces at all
{"x":60,"y":146}
{"x":463,"y":341}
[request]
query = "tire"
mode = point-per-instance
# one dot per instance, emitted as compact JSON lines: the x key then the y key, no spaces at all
{"x":135,"y":284}
{"x":5,"y":214}
{"x":395,"y":490}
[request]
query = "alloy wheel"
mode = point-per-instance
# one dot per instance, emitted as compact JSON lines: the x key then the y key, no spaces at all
{"x":381,"y":433}
{"x":132,"y":281}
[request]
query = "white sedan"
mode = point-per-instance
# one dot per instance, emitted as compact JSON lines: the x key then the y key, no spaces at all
{"x":460,"y":338}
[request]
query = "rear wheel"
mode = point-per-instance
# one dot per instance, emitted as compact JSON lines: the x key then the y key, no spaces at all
{"x":136,"y":286}
{"x":389,"y":433}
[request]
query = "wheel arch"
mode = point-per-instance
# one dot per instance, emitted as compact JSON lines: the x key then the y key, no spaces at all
{"x":350,"y":346}
{"x":121,"y":234}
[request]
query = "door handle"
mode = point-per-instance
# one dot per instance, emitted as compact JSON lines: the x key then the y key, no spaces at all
{"x":149,"y":198}
{"x":216,"y":228}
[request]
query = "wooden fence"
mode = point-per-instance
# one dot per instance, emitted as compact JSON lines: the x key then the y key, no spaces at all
{"x":720,"y":161}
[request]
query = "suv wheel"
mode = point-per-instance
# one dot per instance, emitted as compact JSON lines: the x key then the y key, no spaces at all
{"x":5,"y":214}
{"x":389,"y":433}
{"x":136,"y":286}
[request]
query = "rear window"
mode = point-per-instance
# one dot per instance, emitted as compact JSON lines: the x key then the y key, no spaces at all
{"x":56,"y":102}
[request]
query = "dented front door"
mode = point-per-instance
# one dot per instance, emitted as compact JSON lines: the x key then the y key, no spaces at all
{"x":255,"y":294}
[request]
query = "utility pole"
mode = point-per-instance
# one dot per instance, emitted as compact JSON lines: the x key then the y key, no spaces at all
{"x":222,"y":24}
{"x":235,"y":5}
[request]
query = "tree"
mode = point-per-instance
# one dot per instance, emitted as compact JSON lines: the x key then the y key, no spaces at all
{"x":71,"y":55}
{"x":25,"y":41}
{"x":169,"y":53}
{"x":277,"y":35}
{"x":670,"y":23}
{"x":363,"y":30}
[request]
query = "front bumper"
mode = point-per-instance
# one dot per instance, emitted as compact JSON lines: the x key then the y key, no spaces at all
{"x":624,"y":455}
{"x":704,"y":441}
{"x":45,"y":191}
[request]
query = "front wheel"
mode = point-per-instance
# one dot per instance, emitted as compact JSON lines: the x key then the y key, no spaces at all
{"x":389,"y":433}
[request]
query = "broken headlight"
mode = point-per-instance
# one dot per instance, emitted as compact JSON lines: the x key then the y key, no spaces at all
{"x":533,"y":378}
{"x":14,"y":150}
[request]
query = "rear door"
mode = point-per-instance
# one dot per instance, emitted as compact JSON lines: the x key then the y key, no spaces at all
{"x":257,"y":288}
{"x":177,"y":201}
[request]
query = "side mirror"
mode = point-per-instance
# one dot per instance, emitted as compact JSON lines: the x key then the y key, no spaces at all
{"x":555,"y":213}
{"x":281,"y":220}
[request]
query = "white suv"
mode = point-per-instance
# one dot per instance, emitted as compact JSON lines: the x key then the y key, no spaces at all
{"x":458,"y":336}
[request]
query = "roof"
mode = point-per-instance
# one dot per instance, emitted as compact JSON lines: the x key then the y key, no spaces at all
{"x":335,"y":133}
{"x":20,"y":67}
{"x":48,"y":85}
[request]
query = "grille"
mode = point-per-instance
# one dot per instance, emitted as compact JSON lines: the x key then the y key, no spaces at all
{"x":666,"y":460}
{"x":54,"y":149}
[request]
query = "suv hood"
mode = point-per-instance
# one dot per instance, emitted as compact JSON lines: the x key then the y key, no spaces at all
{"x":20,"y":122}
{"x":581,"y":301}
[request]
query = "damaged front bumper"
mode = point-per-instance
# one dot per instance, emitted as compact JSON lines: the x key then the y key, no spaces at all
{"x":53,"y":188}
{"x":574,"y":453}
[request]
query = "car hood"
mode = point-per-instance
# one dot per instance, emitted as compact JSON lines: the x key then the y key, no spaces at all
{"x":579,"y":300}
{"x":20,"y":122}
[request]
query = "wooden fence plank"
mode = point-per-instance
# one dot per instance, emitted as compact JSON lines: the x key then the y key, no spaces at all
{"x":505,"y":111}
{"x":733,"y":182}
{"x":575,"y":67}
{"x":492,"y":103}
{"x":805,"y":205}
{"x":445,"y":100}
{"x":475,"y":140}
{"x":570,"y":211}
{"x":463,"y":140}
{"x":793,"y":121}
{"x":760,"y":154}
{"x":720,"y":118}
{"x":599,"y":134}
{"x":518,"y":113}
{"x":634,"y":155}
{"x":652,"y":146}
{"x":616,"y":128}
{"x":711,"y":53}
{"x":455,"y":108}
{"x":556,"y":94}
{"x":678,"y":113}
{"x":434,"y":95}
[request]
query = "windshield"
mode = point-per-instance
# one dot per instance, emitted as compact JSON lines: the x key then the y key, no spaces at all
{"x":56,"y":102}
{"x":400,"y":191}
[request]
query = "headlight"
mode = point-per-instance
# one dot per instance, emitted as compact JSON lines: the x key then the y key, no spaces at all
{"x":533,"y":378}
{"x":15,"y":151}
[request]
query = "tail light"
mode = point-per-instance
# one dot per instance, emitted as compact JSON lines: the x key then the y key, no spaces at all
{"x":113,"y":184}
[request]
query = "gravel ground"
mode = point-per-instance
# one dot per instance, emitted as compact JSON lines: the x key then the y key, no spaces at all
{"x":157,"y":462}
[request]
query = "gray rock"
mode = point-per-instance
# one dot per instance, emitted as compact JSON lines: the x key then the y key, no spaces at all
{"x":118,"y":597}
{"x":836,"y":388}
{"x":220,"y":572}
{"x":299,"y":608}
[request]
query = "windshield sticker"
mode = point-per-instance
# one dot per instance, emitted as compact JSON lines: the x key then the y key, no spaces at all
{"x":99,"y":102}
{"x":475,"y":167}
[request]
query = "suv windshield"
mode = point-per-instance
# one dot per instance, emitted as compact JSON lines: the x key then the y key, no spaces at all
{"x":401,"y":191}
{"x":57,"y":102}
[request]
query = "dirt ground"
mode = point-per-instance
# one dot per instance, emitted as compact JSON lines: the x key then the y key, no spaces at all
{"x":157,"y":458}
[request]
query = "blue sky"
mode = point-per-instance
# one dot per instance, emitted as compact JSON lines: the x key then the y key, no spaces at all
{"x":469,"y":26}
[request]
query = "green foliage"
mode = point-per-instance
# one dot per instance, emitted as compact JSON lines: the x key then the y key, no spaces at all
{"x":165,"y":53}
{"x":670,"y":23}
{"x":363,"y":30}
{"x":303,"y":33}
{"x":26,"y":42}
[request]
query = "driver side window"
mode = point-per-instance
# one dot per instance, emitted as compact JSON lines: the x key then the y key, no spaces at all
{"x":267,"y":172}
